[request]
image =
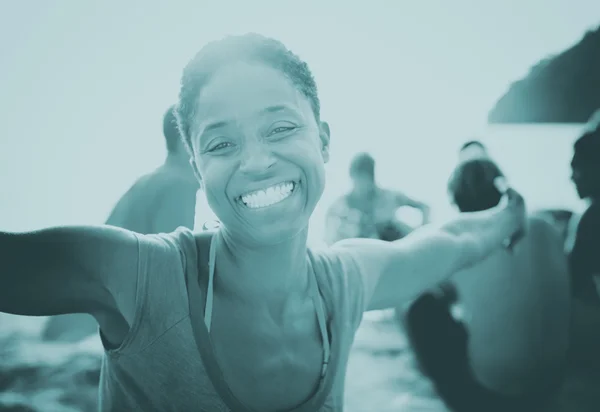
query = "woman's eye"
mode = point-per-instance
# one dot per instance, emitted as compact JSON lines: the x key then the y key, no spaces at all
{"x":281,"y":129}
{"x":219,"y":146}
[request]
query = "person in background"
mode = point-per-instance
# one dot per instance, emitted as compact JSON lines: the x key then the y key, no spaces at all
{"x":590,"y":126}
{"x":164,"y":199}
{"x":585,"y":253}
{"x":583,"y":248}
{"x":158,"y":202}
{"x":369,"y":211}
{"x":504,"y":337}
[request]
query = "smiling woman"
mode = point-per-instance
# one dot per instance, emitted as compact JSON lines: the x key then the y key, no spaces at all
{"x":246,"y":103}
{"x":246,"y":317}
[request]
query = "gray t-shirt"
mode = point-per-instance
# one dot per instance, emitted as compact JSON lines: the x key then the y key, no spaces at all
{"x":158,"y":367}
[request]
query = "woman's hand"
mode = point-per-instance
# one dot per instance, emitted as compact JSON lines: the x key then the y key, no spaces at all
{"x":514,"y":204}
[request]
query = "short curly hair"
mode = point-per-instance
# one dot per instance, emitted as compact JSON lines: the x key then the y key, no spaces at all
{"x":471,"y":185}
{"x":253,"y":48}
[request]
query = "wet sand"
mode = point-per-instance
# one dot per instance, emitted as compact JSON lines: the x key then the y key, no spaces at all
{"x":382,"y":375}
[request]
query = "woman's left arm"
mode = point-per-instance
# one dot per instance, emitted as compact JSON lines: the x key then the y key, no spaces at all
{"x":395,"y":272}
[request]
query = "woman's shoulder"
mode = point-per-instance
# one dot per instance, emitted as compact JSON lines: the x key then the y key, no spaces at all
{"x":179,"y":238}
{"x":181,"y":245}
{"x":340,"y":280}
{"x":335,"y":263}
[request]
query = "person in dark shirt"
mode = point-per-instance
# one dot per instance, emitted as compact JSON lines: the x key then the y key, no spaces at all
{"x":584,"y":262}
{"x":585,"y":254}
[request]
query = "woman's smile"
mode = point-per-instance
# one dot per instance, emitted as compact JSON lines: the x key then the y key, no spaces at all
{"x":271,"y":196}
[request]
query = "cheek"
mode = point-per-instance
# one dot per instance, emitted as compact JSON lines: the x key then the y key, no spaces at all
{"x":306,"y":153}
{"x":217,"y":201}
{"x":214,"y":183}
{"x":315,"y":171}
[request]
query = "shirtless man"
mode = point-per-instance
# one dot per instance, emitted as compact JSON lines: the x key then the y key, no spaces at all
{"x":369,"y":211}
{"x":158,"y":202}
{"x":164,"y":199}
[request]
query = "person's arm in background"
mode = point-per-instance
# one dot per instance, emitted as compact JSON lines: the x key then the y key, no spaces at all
{"x":337,"y":224}
{"x":404,"y":200}
{"x":68,"y":270}
{"x":395,"y":272}
{"x":176,"y":207}
{"x":572,"y":231}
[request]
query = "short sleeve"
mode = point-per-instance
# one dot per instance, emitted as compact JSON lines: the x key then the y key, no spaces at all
{"x":161,"y":298}
{"x":346,"y":294}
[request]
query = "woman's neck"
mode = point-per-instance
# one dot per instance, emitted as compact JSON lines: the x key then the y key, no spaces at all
{"x":264,"y":273}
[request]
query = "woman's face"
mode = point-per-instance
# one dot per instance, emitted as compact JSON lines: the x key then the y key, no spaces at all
{"x":259,"y":152}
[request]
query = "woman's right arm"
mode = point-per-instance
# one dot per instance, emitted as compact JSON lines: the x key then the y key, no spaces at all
{"x":67,"y":270}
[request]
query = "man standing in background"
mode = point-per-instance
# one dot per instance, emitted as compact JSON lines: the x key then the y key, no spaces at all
{"x":585,"y":252}
{"x":164,"y":199}
{"x":584,"y":259}
{"x":158,"y":202}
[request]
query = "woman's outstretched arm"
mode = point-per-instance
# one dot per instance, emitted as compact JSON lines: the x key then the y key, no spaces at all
{"x":394,"y":273}
{"x":67,"y":270}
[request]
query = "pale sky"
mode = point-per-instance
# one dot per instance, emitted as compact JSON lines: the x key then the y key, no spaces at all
{"x":84,"y":84}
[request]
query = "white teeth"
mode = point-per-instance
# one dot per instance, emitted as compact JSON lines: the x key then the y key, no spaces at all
{"x":268,"y":196}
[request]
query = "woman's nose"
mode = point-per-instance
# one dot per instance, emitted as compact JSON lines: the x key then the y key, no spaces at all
{"x":256,"y":158}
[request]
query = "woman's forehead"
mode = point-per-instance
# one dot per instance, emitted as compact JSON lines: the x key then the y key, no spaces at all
{"x":244,"y":87}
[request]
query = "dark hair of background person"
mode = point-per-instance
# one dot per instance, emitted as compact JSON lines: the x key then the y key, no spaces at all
{"x":471,"y":185}
{"x":362,"y":164}
{"x":586,"y":150}
{"x":471,"y":143}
